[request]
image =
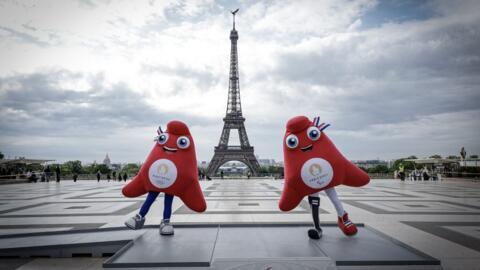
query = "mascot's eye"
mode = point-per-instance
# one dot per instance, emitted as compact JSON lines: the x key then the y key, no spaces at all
{"x":313,"y":133}
{"x":291,"y":141}
{"x":162,"y":139}
{"x":183,"y":142}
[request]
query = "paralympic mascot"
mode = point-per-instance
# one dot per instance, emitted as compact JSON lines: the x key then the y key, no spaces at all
{"x":171,"y":168}
{"x":313,"y":164}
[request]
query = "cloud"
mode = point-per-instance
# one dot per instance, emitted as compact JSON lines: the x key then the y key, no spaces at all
{"x":43,"y":102}
{"x":443,"y":133}
{"x":101,"y":70}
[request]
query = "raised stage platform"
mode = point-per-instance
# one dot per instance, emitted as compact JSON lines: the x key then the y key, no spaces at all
{"x":227,"y":246}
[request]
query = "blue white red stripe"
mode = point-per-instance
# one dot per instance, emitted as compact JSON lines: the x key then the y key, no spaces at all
{"x":324,"y":127}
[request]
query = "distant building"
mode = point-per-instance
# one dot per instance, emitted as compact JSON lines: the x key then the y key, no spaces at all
{"x":469,"y":162}
{"x":234,"y":167}
{"x":368,"y":164}
{"x":106,"y":161}
{"x":265,"y":162}
{"x":116,"y":166}
{"x":19,"y":165}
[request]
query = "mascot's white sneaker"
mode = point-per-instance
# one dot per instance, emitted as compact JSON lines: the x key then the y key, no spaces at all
{"x":166,"y":228}
{"x":136,"y":222}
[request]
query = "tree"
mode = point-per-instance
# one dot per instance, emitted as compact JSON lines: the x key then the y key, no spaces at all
{"x":272,"y":170}
{"x":102,"y":168}
{"x":130,"y":169}
{"x":408,"y":165}
{"x":453,"y":157}
{"x":71,"y":167}
{"x":473,"y":156}
{"x":378,"y":169}
{"x":436,"y":156}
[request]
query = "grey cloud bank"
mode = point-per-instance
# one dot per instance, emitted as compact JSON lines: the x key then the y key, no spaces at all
{"x":72,"y":91}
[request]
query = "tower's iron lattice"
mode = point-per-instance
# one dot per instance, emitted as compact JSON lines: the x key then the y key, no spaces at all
{"x":233,"y":120}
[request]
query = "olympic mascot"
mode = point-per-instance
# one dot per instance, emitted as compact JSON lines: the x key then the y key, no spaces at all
{"x":171,"y":168}
{"x":313,"y":164}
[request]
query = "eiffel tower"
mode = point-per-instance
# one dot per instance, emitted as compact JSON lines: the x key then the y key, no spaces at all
{"x":233,"y":120}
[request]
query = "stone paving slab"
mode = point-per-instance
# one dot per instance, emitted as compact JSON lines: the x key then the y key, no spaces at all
{"x":441,"y":219}
{"x":189,"y":247}
{"x":203,"y":246}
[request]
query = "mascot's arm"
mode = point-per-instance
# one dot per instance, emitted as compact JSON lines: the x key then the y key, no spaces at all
{"x":290,"y":197}
{"x":193,"y":197}
{"x":354,"y":176}
{"x":135,"y":188}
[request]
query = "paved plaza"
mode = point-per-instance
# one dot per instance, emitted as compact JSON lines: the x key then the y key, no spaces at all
{"x":439,"y":219}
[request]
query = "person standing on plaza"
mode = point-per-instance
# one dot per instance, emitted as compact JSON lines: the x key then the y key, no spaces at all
{"x":401,"y":172}
{"x":47,"y":172}
{"x":57,"y":173}
{"x":98,"y":176}
{"x":221,"y":174}
{"x":125,"y":177}
{"x":108,"y":177}
{"x":31,"y":176}
{"x":425,"y":174}
{"x":114,"y":174}
{"x":119,"y":177}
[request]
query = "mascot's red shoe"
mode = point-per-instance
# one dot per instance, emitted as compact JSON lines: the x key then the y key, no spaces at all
{"x":346,"y":225}
{"x":313,"y":163}
{"x":171,"y":167}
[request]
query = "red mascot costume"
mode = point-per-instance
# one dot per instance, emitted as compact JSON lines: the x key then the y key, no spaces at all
{"x":171,"y":168}
{"x":313,"y":164}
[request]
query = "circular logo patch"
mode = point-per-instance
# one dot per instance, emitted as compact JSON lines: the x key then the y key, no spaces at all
{"x":317,"y":173}
{"x":162,"y":173}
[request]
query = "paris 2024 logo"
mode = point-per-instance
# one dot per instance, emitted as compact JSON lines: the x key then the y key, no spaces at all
{"x":317,"y":173}
{"x":162,"y":173}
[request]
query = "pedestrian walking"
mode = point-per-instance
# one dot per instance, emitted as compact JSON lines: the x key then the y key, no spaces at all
{"x":57,"y":173}
{"x":425,"y":174}
{"x":401,"y":172}
{"x":47,"y":173}
{"x":98,"y":176}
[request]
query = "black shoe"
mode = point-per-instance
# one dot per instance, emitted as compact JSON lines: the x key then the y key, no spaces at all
{"x":315,"y":234}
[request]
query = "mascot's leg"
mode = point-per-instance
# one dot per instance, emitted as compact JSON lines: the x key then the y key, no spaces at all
{"x":344,"y":223}
{"x":314,"y":201}
{"x":165,"y":227}
{"x":136,"y":222}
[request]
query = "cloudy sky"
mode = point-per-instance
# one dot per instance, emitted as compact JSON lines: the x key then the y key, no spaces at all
{"x":82,"y":78}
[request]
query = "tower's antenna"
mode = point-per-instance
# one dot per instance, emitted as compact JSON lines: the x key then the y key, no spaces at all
{"x":233,"y":13}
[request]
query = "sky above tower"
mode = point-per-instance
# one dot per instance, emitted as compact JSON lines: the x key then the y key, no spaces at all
{"x":82,"y":78}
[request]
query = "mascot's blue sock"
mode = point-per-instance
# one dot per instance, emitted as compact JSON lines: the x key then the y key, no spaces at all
{"x":152,"y":195}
